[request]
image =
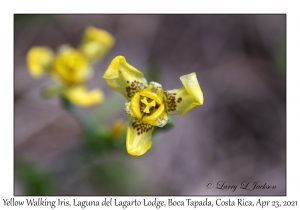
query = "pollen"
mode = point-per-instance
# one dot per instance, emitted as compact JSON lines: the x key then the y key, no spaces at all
{"x":148,"y":105}
{"x":127,"y":108}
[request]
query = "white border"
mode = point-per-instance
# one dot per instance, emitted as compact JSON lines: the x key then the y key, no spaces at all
{"x":8,"y":8}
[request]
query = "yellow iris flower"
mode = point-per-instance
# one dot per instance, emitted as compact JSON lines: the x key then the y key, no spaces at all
{"x":72,"y":67}
{"x":96,"y":43}
{"x":148,"y":103}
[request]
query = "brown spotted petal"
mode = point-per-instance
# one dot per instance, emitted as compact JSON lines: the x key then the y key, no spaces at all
{"x":179,"y":101}
{"x":124,"y":78}
{"x":138,"y":139}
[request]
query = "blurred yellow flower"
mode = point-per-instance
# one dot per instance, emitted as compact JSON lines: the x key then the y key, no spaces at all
{"x":72,"y":67}
{"x":39,"y":60}
{"x":148,"y":103}
{"x":82,"y":97}
{"x":96,"y":43}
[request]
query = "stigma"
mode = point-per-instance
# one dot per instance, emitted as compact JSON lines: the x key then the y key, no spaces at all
{"x":148,"y":105}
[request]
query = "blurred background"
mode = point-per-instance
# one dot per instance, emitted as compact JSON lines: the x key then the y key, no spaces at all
{"x":239,"y":134}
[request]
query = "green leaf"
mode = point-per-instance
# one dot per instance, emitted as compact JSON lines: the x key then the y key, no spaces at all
{"x":35,"y":180}
{"x":52,"y":91}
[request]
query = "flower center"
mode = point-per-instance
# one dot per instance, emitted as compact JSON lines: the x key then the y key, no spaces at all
{"x":148,"y":105}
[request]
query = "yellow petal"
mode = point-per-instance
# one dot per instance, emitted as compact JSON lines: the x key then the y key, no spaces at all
{"x":153,"y":91}
{"x":79,"y":95}
{"x":138,"y":139}
{"x":179,"y":101}
{"x":71,"y":66}
{"x":124,"y":78}
{"x":133,"y":107}
{"x":39,"y":60}
{"x":158,"y":118}
{"x":192,"y":86}
{"x":96,"y":43}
